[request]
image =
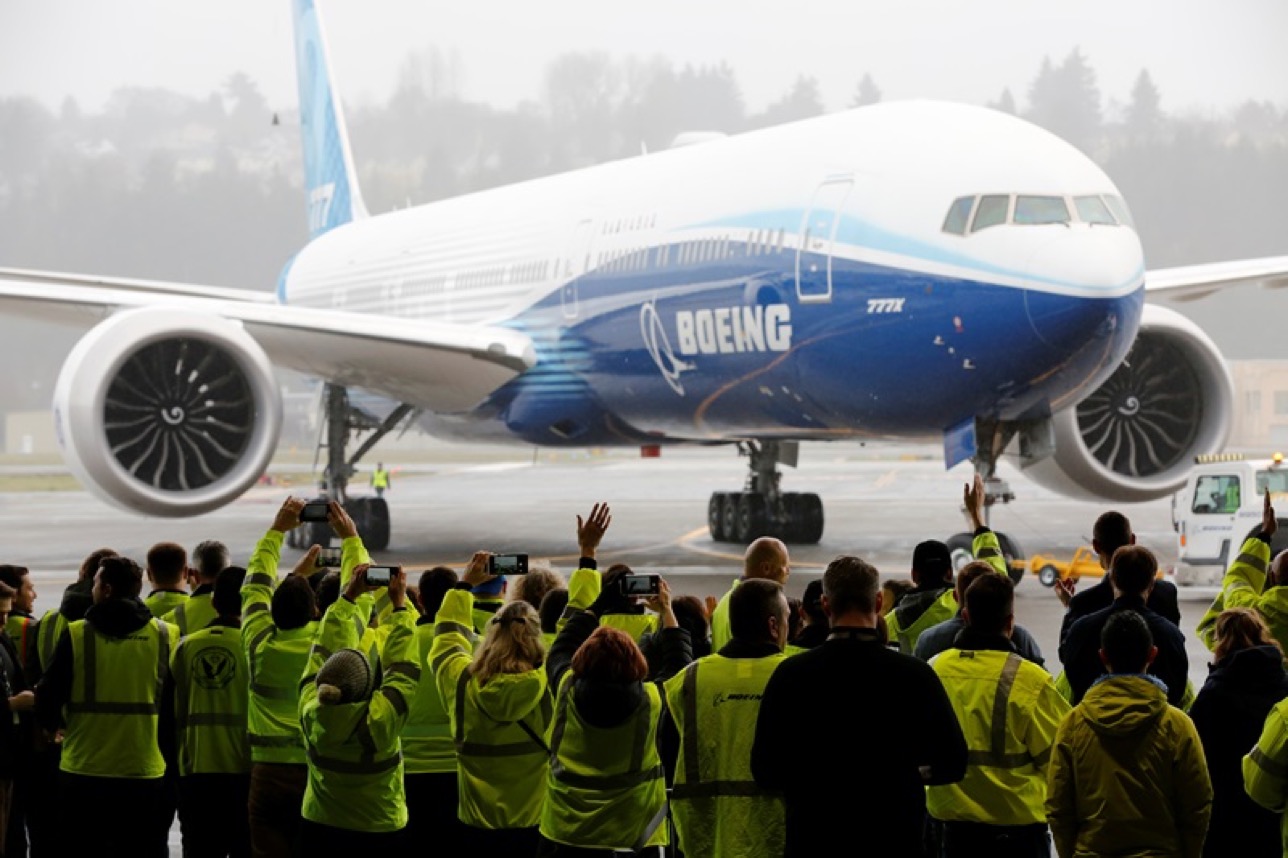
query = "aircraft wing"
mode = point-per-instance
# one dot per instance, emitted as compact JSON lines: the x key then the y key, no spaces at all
{"x":1191,"y":282}
{"x":439,"y":366}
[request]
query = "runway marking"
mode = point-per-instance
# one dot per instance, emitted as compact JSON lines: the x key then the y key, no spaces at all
{"x":887,"y":478}
{"x":683,"y":542}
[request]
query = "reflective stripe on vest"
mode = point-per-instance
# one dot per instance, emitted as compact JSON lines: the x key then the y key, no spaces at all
{"x":1268,"y":764}
{"x":47,"y":634}
{"x":90,"y":702}
{"x":996,"y":756}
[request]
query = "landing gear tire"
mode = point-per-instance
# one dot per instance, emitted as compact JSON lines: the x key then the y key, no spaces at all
{"x":715,"y":517}
{"x":959,"y":549}
{"x":371,"y":515}
{"x":804,"y":518}
{"x":729,"y":514}
{"x":1048,"y":575}
{"x":752,"y":517}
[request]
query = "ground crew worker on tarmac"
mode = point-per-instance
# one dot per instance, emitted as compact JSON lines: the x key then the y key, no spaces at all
{"x":167,"y":569}
{"x":108,"y":674}
{"x":1009,"y":711}
{"x":1253,"y":581}
{"x":717,"y":807}
{"x":196,"y":612}
{"x":21,"y":625}
{"x":429,"y":757}
{"x":380,"y":479}
{"x":210,"y":703}
{"x":606,"y":789}
{"x":765,"y":558}
{"x":278,"y":626}
{"x":930,"y":601}
{"x":500,"y":711}
{"x":355,"y":803}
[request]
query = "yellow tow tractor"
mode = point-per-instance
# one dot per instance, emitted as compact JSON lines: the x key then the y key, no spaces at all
{"x":1049,"y":570}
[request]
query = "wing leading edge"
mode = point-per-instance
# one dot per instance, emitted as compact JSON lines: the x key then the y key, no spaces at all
{"x":440,"y":366}
{"x":1192,"y":282}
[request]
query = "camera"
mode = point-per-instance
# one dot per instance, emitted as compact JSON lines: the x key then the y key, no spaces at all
{"x":315,"y":511}
{"x":507,"y":564}
{"x":328,"y":558}
{"x":640,"y":585}
{"x":380,"y":576}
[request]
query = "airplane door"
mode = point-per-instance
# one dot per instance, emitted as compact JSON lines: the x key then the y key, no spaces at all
{"x":818,"y":232}
{"x":575,"y":265}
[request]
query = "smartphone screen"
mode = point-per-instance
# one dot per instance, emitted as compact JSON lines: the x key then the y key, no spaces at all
{"x":641,"y":585}
{"x":328,"y":558}
{"x":379,"y":576}
{"x":508,"y":564}
{"x":315,"y":511}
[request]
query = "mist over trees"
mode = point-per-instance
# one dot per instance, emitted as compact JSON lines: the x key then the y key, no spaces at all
{"x":166,"y":186}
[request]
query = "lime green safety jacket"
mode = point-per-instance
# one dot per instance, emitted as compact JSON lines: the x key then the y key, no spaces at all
{"x":1265,"y":768}
{"x":354,"y":755}
{"x":498,"y":728}
{"x":1244,"y":586}
{"x":275,"y":661}
{"x":115,"y":702}
{"x":427,"y":736}
{"x":194,"y":614}
{"x":211,"y":690}
{"x":1009,"y":711}
{"x":717,"y":807}
{"x":162,"y":602}
{"x":606,"y":788}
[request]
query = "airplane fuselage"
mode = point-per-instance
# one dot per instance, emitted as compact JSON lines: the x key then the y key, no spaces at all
{"x":806,"y":281}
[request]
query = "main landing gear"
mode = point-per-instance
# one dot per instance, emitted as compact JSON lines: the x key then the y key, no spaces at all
{"x":370,"y":514}
{"x":761,"y":509}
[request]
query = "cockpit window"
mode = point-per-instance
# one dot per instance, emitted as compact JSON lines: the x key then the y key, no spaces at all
{"x":991,"y":211}
{"x":1039,"y":210}
{"x":1093,"y":210}
{"x":959,"y":215}
{"x":1120,"y":210}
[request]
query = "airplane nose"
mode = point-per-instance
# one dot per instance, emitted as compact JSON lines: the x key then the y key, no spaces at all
{"x":1099,"y":267}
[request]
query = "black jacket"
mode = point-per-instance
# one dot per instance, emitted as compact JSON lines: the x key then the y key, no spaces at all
{"x":813,"y":635}
{"x":1228,"y":713}
{"x":1080,"y":650}
{"x":1162,"y":601}
{"x":869,"y":718}
{"x":14,"y":738}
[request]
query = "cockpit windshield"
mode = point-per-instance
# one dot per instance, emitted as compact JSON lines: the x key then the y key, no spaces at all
{"x":969,"y":215}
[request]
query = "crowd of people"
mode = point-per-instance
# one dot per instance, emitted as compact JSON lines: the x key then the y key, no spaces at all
{"x":342,"y":711}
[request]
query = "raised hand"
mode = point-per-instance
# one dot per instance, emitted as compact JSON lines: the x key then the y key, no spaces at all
{"x":1269,"y":524}
{"x":591,"y":531}
{"x":973,"y":497}
{"x":476,"y":571}
{"x":340,"y":521}
{"x":288,"y":517}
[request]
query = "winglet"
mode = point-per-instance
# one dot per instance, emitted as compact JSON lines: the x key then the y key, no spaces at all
{"x":330,"y":179}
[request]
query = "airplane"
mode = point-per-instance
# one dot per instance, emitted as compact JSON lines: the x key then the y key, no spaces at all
{"x":906,"y":270}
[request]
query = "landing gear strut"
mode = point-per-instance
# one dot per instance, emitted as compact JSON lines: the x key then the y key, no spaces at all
{"x":761,"y":509}
{"x":370,"y":514}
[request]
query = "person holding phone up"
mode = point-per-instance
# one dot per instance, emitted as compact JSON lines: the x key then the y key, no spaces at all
{"x":606,"y":791}
{"x":355,"y":801}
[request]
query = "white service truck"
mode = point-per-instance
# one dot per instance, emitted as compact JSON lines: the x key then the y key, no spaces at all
{"x":1220,"y":507}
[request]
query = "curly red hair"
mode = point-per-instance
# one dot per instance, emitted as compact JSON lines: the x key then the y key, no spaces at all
{"x":609,"y":655}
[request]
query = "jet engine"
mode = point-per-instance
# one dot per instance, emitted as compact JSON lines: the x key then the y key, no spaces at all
{"x":167,"y":412}
{"x":1135,"y":437}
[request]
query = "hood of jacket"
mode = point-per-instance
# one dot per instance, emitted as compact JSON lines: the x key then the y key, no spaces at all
{"x":916,"y":603}
{"x":118,"y":617}
{"x":77,"y":599}
{"x":1251,"y":666}
{"x":1124,"y":705}
{"x":511,"y":696}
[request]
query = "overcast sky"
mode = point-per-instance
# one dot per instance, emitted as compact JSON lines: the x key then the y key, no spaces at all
{"x":1202,"y":55}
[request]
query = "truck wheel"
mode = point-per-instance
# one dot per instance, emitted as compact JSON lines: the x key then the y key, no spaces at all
{"x":1048,"y":575}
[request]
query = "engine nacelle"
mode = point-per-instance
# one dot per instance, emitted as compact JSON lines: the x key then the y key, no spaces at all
{"x":167,"y":412}
{"x":1135,"y":437}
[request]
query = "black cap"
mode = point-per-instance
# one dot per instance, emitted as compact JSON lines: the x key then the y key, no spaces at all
{"x":931,"y":559}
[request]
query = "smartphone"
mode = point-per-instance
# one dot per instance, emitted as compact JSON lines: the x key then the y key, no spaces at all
{"x":640,"y":585}
{"x":315,"y":511}
{"x":328,"y":558}
{"x":507,"y":564}
{"x":380,"y":576}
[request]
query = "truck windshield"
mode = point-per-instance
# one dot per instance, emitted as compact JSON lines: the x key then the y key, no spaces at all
{"x":1276,"y":481}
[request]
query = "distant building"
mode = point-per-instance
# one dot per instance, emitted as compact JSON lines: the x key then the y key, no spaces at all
{"x":1260,"y":419}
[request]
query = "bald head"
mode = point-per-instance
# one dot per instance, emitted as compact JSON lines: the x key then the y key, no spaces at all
{"x":766,"y":558}
{"x":1278,"y":570}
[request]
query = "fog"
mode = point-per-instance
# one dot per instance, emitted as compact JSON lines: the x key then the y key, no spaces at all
{"x":155,"y":139}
